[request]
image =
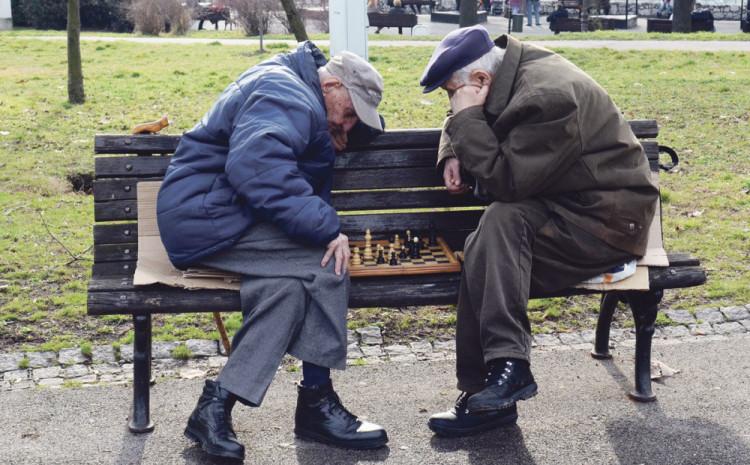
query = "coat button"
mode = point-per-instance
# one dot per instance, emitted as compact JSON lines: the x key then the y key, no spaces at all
{"x":631,"y":227}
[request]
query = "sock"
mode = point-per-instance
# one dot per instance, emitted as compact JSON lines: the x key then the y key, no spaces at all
{"x":314,"y":375}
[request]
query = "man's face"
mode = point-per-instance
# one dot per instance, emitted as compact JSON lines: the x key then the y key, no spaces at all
{"x":339,"y":108}
{"x":451,"y":86}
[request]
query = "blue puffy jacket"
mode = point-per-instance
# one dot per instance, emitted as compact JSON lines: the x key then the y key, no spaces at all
{"x":261,"y":153}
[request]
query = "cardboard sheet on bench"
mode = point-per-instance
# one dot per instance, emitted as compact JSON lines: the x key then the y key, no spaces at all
{"x":154,"y":267}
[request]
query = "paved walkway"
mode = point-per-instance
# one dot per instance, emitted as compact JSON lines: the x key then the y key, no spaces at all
{"x":495,"y":26}
{"x":581,"y":416}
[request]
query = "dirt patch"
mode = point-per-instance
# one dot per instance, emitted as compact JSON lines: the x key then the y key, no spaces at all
{"x":81,"y":182}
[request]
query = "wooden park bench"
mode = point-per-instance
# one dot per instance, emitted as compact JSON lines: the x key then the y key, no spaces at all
{"x":394,"y":174}
{"x":401,"y":20}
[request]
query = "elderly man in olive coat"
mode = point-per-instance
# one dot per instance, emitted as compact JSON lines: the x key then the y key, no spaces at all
{"x":570,"y":197}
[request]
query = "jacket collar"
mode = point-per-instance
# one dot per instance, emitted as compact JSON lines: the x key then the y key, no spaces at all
{"x":505,"y":75}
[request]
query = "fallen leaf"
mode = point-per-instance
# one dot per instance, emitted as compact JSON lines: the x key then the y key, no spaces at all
{"x":661,"y":370}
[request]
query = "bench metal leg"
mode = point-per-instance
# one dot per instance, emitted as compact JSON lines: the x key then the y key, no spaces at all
{"x":606,"y":312}
{"x":644,"y":306}
{"x":140,"y":421}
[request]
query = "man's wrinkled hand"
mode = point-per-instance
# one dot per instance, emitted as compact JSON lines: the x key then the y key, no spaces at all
{"x":339,"y":139}
{"x":452,"y":177}
{"x":469,"y":96}
{"x":339,"y":250}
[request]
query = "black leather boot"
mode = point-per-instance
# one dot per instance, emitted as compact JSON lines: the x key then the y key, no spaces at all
{"x":508,"y":381}
{"x":321,"y":417}
{"x":458,"y":422}
{"x":210,"y":424}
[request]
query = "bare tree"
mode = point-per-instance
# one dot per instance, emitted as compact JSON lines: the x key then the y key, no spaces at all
{"x":75,"y":70}
{"x":681,"y":19}
{"x":254,"y":16}
{"x":296,"y":25}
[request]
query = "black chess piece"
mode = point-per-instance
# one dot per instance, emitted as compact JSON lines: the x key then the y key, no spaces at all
{"x":394,"y":260}
{"x":402,"y":254}
{"x":381,"y":259}
{"x":432,"y":235}
{"x":415,"y":248}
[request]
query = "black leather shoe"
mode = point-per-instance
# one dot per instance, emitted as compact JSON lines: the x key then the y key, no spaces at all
{"x":457,"y":421}
{"x":321,"y":417}
{"x":508,"y":381}
{"x":210,"y":424}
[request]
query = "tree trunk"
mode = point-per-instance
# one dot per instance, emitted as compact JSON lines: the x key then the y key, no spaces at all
{"x":75,"y":70}
{"x":681,"y":21}
{"x":295,"y":20}
{"x":467,"y":13}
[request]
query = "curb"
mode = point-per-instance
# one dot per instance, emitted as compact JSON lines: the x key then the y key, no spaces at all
{"x":200,"y":358}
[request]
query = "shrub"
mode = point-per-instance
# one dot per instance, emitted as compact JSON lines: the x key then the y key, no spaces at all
{"x":152,"y":17}
{"x":46,"y":14}
{"x":108,"y":15}
{"x":178,"y":18}
{"x":105,"y":15}
{"x":254,"y":16}
{"x":19,"y":15}
{"x":146,"y":17}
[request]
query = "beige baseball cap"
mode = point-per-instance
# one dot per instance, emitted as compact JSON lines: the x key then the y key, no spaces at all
{"x":364,"y":83}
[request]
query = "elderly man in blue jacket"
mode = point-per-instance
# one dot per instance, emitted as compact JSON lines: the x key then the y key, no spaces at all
{"x":248,"y":191}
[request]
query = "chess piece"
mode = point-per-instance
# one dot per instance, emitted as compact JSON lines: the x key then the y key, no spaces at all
{"x":408,"y":236}
{"x":415,"y":248}
{"x":402,"y":255}
{"x":390,"y":249}
{"x":381,"y":258}
{"x":433,"y":235}
{"x":396,"y":242}
{"x":368,"y":245}
{"x":394,"y":260}
{"x":356,"y":259}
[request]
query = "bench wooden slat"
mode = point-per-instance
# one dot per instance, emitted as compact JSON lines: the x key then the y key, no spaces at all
{"x":395,"y":139}
{"x":148,"y":144}
{"x":128,"y":251}
{"x":118,"y":295}
{"x":115,"y":252}
{"x":119,"y":189}
{"x":108,"y":270}
{"x":118,"y":233}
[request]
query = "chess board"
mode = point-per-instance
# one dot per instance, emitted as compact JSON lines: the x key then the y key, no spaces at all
{"x":438,"y":258}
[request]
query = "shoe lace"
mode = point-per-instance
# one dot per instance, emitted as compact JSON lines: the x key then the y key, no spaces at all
{"x":499,"y":373}
{"x":336,"y":408}
{"x":462,"y":402}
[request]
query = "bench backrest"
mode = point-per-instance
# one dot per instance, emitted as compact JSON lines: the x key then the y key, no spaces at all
{"x":388,"y":185}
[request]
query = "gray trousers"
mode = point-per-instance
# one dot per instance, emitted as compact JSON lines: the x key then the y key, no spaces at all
{"x":290,"y":305}
{"x":517,"y":249}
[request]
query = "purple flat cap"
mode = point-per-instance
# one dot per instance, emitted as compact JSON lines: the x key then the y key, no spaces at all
{"x":456,"y":50}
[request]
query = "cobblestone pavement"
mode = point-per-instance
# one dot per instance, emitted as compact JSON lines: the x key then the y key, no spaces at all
{"x":106,"y":365}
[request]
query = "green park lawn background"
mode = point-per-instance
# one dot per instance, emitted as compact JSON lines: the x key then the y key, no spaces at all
{"x":701,"y":100}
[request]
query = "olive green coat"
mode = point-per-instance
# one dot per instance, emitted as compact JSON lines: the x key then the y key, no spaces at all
{"x":549,"y":131}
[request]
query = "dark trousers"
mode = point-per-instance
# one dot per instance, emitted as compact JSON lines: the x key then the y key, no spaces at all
{"x":290,"y":305}
{"x":518,"y":249}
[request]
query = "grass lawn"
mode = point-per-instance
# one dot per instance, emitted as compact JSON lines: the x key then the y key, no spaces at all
{"x":700,"y":99}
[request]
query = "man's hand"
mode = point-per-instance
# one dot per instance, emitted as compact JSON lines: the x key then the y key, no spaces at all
{"x":339,"y":140}
{"x":469,"y":96}
{"x":452,"y":177}
{"x":339,"y":249}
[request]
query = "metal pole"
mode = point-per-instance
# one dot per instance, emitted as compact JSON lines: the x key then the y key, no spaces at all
{"x":626,"y":14}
